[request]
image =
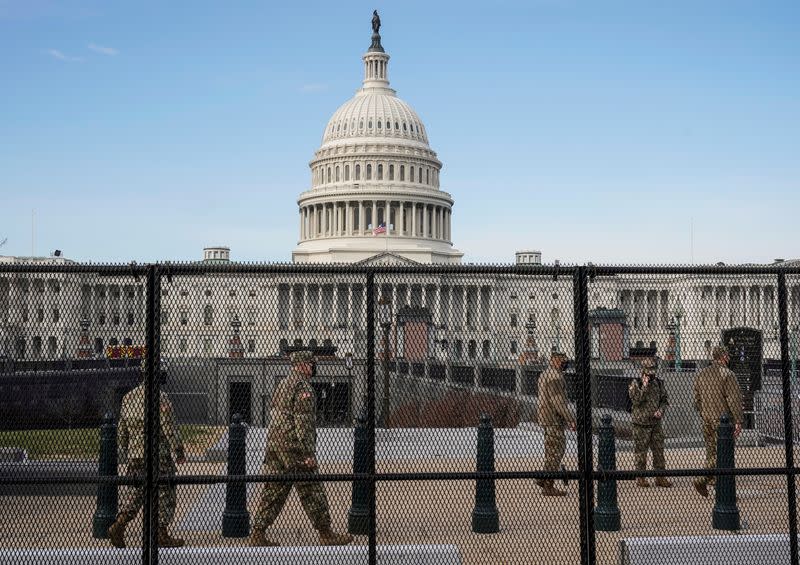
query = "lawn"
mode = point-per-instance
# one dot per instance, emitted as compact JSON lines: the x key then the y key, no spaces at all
{"x":85,"y":443}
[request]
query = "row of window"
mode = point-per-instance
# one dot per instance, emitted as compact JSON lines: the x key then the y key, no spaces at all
{"x":378,"y":125}
{"x":207,"y":292}
{"x":420,"y":175}
{"x":55,"y":315}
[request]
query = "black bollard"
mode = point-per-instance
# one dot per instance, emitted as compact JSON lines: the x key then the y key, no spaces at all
{"x":107,"y":502}
{"x":236,"y":518}
{"x":358,"y":515}
{"x":726,"y":513}
{"x":606,"y":514}
{"x":485,"y":518}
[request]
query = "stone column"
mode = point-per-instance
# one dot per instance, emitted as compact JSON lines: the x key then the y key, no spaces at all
{"x":348,"y":219}
{"x":401,"y":231}
{"x":424,"y":220}
{"x":387,"y":212}
{"x":413,"y":219}
{"x":291,"y":307}
{"x":305,"y":320}
{"x":359,"y":228}
{"x":374,"y":214}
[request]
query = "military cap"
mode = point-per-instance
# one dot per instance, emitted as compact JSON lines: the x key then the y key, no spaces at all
{"x":649,"y":366}
{"x":301,"y":357}
{"x":719,"y":352}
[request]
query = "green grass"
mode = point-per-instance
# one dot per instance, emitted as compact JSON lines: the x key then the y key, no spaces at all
{"x":85,"y":443}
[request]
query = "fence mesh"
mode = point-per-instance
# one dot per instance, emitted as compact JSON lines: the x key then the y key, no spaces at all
{"x":474,"y":378}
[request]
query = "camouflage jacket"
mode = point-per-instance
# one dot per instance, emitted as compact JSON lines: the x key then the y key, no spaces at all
{"x":292,"y":423}
{"x":130,"y":432}
{"x":647,"y":400}
{"x":717,"y":392}
{"x":552,"y":409}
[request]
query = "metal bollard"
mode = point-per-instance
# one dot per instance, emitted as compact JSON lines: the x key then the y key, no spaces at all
{"x":485,"y":518}
{"x":236,"y":518}
{"x":726,"y":513}
{"x":606,"y":514}
{"x":107,"y":501}
{"x":358,"y":515}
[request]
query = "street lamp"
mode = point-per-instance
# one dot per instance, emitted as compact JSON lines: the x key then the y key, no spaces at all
{"x":385,"y":318}
{"x":678,"y":315}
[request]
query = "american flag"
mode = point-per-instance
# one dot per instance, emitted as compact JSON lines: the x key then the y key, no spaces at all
{"x":380,"y":229}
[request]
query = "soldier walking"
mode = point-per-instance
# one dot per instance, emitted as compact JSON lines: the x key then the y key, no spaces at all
{"x":130,"y":435}
{"x":716,"y":392}
{"x":553,"y":414}
{"x":649,"y":399}
{"x":291,"y":448}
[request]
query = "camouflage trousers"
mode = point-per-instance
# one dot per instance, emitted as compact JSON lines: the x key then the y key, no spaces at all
{"x":273,"y":497}
{"x":133,"y":495}
{"x":710,"y":439}
{"x":647,"y":438}
{"x":555,"y":444}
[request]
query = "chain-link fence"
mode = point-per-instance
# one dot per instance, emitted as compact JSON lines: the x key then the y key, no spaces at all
{"x":447,"y":414}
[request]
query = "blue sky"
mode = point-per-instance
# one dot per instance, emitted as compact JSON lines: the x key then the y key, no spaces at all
{"x":593,"y":131}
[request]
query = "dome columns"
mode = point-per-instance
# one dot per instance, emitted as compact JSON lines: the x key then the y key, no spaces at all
{"x":349,"y":218}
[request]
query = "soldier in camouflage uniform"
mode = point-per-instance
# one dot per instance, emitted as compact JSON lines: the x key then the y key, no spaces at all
{"x":130,"y":434}
{"x":553,"y":414}
{"x":649,"y":399}
{"x":716,"y":392}
{"x":291,"y":448}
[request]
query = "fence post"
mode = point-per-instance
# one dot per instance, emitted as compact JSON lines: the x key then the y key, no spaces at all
{"x":358,"y":515}
{"x":580,"y":293}
{"x":152,"y":422}
{"x":107,"y":502}
{"x":726,"y":513}
{"x":372,"y":555}
{"x":606,"y":514}
{"x":485,"y":518}
{"x":236,"y":518}
{"x":786,"y":378}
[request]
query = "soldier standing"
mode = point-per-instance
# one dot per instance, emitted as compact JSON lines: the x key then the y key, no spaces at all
{"x":649,"y":399}
{"x":291,"y":448}
{"x":130,"y":434}
{"x":716,"y":392}
{"x":553,"y":414}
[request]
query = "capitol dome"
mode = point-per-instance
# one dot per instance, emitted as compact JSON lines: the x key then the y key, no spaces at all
{"x":375,"y":193}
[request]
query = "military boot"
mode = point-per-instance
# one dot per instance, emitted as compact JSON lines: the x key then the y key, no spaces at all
{"x":663,"y":482}
{"x":642,"y":482}
{"x":701,"y":487}
{"x":549,"y":490}
{"x":259,"y":539}
{"x":116,"y":532}
{"x":329,"y":537}
{"x":165,"y":540}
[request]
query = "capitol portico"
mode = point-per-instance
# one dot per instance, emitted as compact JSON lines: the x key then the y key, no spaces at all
{"x":375,"y":171}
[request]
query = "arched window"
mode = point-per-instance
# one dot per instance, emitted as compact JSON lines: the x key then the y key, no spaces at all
{"x":369,"y":172}
{"x":358,"y":172}
{"x":404,"y":127}
{"x":329,"y":174}
{"x":427,"y":176}
{"x":51,"y":346}
{"x":337,"y":173}
{"x":347,"y":172}
{"x":420,"y":176}
{"x":370,"y":124}
{"x":459,"y":349}
{"x":411,"y":174}
{"x":397,"y":126}
{"x":208,"y":315}
{"x":402,"y":172}
{"x":388,"y":125}
{"x":360,"y":124}
{"x":486,"y":349}
{"x":380,"y":124}
{"x":472,"y":349}
{"x":391,"y":172}
{"x":380,"y":172}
